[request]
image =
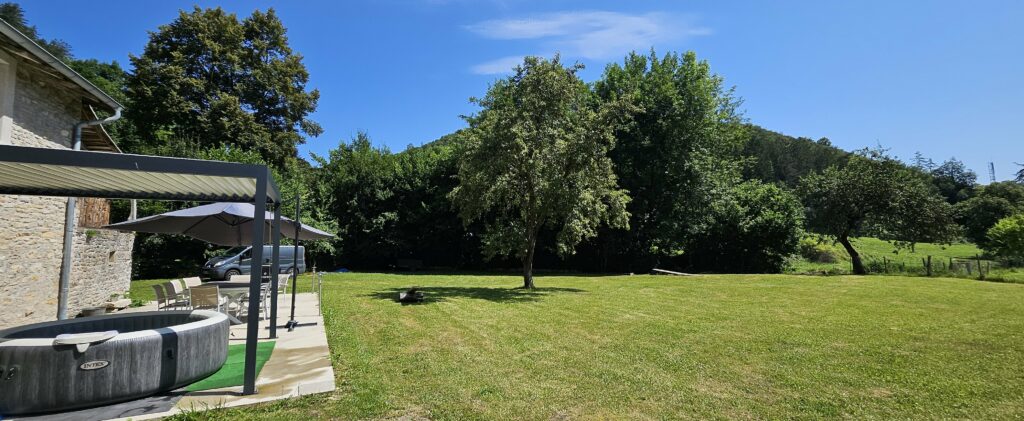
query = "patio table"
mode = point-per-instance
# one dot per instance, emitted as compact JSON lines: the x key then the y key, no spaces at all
{"x":233,"y":291}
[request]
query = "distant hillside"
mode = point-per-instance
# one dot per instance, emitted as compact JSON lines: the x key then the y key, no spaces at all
{"x":781,"y":158}
{"x":774,"y":157}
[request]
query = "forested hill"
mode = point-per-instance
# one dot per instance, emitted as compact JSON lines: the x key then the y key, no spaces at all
{"x":780,"y":158}
{"x":772,"y":156}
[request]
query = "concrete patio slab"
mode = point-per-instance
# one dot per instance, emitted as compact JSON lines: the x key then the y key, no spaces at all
{"x":299,"y":365}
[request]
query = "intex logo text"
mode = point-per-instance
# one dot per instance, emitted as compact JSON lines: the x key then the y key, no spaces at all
{"x":94,"y":365}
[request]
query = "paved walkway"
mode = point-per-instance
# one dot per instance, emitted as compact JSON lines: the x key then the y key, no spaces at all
{"x":299,"y":365}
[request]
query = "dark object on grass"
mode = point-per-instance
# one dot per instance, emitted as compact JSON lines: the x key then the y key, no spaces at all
{"x":412,"y":295}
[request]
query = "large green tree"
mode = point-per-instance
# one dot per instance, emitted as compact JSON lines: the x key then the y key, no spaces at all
{"x":392,"y":206}
{"x":952,"y":178}
{"x":677,"y":155}
{"x":213,"y":79}
{"x":536,"y":156}
{"x":878,"y":193}
{"x":991,"y":203}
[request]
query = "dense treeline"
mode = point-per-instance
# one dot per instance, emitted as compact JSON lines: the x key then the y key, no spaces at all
{"x":651,"y":165}
{"x":777,"y":158}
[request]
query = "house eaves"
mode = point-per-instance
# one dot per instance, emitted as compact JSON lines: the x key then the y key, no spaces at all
{"x":41,"y":55}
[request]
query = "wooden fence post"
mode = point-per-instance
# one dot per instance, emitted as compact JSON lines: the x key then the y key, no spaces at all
{"x":981,"y":272}
{"x":928,"y":268}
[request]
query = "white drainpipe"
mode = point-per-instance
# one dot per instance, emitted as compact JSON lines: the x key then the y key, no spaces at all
{"x":69,"y":221}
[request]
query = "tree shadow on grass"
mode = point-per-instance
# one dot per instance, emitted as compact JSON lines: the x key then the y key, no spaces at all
{"x":497,"y":294}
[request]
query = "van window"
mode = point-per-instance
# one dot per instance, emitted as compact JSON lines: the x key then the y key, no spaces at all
{"x":231,"y":252}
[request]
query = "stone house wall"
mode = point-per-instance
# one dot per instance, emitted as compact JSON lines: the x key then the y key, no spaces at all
{"x":101,"y":266}
{"x":31,"y":227}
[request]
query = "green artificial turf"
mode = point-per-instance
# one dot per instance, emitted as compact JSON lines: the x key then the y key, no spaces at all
{"x":666,"y":347}
{"x":233,"y":371}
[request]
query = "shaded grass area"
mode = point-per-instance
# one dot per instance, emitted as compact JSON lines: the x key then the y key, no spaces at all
{"x":232,"y":373}
{"x":721,"y":346}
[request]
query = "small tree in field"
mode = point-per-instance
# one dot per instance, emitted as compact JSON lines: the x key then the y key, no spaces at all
{"x":1006,"y":239}
{"x":536,"y":156}
{"x":876,"y":191}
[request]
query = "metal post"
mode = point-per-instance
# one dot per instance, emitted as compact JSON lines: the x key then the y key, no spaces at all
{"x":64,"y":283}
{"x":255,"y":280}
{"x":295,"y":259}
{"x":292,"y":324}
{"x":275,"y":269}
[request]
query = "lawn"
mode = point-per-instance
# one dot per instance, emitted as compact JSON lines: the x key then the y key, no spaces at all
{"x":720,"y":346}
{"x":879,"y":255}
{"x":143,"y":289}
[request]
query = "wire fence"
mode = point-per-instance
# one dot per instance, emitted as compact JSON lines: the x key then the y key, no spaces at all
{"x":929,"y":266}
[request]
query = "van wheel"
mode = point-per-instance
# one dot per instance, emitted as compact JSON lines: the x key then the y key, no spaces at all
{"x":230,"y":273}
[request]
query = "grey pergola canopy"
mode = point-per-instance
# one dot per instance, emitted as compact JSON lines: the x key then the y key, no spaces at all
{"x":63,"y":172}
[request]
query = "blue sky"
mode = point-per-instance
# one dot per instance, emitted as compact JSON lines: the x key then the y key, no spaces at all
{"x":942,"y":77}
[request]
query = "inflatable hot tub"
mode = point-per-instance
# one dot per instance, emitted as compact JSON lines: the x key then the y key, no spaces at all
{"x":70,"y":364}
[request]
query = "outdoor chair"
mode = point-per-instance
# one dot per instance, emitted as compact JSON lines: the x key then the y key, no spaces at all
{"x":162,"y":302}
{"x":264,"y":307}
{"x":207,"y":297}
{"x":176,"y":293}
{"x":169,"y":293}
{"x":192,"y":282}
{"x":282,"y":282}
{"x":161,"y":297}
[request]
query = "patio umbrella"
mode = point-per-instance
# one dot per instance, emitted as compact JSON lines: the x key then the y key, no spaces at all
{"x":226,"y":224}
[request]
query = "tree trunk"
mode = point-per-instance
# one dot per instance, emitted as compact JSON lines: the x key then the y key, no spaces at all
{"x":531,"y":244}
{"x":858,"y":266}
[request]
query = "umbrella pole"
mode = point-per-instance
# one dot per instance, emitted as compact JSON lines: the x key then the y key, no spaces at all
{"x":275,"y":269}
{"x":292,"y":324}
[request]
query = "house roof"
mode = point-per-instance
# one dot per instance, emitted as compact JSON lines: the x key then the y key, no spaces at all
{"x":25,"y":48}
{"x":65,"y":172}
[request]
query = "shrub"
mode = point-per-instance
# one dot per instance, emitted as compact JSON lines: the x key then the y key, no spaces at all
{"x":1006,"y":239}
{"x":754,"y":228}
{"x":812,"y":249}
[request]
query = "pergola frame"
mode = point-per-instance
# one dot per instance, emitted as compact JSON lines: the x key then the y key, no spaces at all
{"x":31,"y":171}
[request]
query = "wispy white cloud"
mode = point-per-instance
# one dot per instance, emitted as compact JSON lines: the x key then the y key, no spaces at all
{"x":498,"y":66}
{"x":587,"y":34}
